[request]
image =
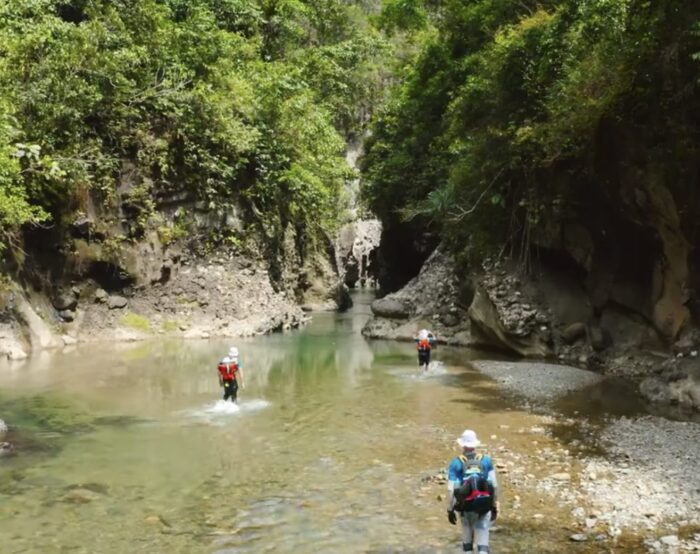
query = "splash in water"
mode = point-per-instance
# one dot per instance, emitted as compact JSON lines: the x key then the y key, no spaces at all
{"x":435,"y":369}
{"x":219,"y":412}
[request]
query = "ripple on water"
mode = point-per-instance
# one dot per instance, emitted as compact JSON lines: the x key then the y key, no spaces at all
{"x":219,"y":412}
{"x":435,"y":369}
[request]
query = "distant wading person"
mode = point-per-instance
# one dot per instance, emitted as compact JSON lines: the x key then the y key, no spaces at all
{"x":424,"y":343}
{"x":472,"y":492}
{"x":230,"y":372}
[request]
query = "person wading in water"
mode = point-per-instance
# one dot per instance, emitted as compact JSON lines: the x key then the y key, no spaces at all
{"x":424,"y":343}
{"x":472,"y":492}
{"x":230,"y":372}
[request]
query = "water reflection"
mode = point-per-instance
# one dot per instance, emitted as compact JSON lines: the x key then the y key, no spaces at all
{"x":124,"y":447}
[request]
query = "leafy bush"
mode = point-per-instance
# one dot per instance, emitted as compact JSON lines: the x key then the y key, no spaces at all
{"x":499,"y":119}
{"x":223,"y":100}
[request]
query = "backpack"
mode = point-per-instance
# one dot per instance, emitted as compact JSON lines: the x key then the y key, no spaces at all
{"x":424,"y":345}
{"x":228,"y":369}
{"x":476,"y":493}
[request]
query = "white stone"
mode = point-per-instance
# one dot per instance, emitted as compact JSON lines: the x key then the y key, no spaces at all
{"x":670,"y":540}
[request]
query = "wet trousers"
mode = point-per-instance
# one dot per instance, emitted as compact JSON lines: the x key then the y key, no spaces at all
{"x":475,"y":531}
{"x":230,"y":390}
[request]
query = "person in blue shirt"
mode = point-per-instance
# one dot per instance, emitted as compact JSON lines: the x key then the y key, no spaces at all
{"x":475,"y":473}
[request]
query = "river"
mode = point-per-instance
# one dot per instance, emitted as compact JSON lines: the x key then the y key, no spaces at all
{"x":125,"y":448}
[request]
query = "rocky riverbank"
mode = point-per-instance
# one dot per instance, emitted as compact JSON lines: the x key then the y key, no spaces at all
{"x":545,"y":314}
{"x":628,"y":484}
{"x":225,"y":295}
{"x":622,"y":476}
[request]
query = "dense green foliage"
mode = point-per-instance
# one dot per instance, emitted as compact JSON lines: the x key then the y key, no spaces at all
{"x":228,"y":101}
{"x":501,"y":119}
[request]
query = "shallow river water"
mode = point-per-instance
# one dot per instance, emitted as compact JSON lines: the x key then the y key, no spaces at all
{"x":125,"y":448}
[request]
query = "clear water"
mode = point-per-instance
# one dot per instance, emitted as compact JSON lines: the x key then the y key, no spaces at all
{"x":127,"y":448}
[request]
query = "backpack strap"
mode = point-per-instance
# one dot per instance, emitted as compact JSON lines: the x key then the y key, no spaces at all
{"x":466,"y":462}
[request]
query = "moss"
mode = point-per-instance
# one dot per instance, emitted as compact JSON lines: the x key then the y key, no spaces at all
{"x":170,"y":326}
{"x":136,"y":321}
{"x":54,"y":414}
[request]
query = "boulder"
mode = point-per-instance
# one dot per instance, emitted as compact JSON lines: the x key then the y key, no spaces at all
{"x":449,"y":320}
{"x":116,"y":302}
{"x":101,"y":295}
{"x":669,"y":388}
{"x":390,"y":308}
{"x":574,"y":332}
{"x":488,"y":329}
{"x":65,"y":301}
{"x":67,"y":315}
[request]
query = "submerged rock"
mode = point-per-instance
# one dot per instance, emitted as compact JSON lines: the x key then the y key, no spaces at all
{"x":80,"y":496}
{"x":6,"y":449}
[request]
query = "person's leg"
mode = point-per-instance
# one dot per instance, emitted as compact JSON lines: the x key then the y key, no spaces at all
{"x":481,"y":532}
{"x":227,"y":389}
{"x":234,"y":391}
{"x":467,"y":520}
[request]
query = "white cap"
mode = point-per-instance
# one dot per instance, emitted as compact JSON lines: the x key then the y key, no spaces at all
{"x":423,"y":334}
{"x":468,"y":439}
{"x":233,"y":352}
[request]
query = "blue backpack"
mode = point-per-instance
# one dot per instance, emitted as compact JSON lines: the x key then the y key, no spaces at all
{"x":475,"y":494}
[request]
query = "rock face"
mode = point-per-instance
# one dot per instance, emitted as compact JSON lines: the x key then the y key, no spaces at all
{"x":502,"y":318}
{"x":40,"y":334}
{"x":430,"y":300}
{"x":12,"y":345}
{"x":356,"y":249}
{"x":222,"y":295}
{"x":546,"y":313}
{"x":488,"y":311}
{"x":111,"y":276}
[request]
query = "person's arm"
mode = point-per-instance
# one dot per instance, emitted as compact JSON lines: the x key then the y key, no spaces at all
{"x":493,"y":480}
{"x":454,"y":480}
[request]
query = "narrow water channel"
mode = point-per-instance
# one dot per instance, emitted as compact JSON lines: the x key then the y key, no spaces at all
{"x":124,"y":448}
